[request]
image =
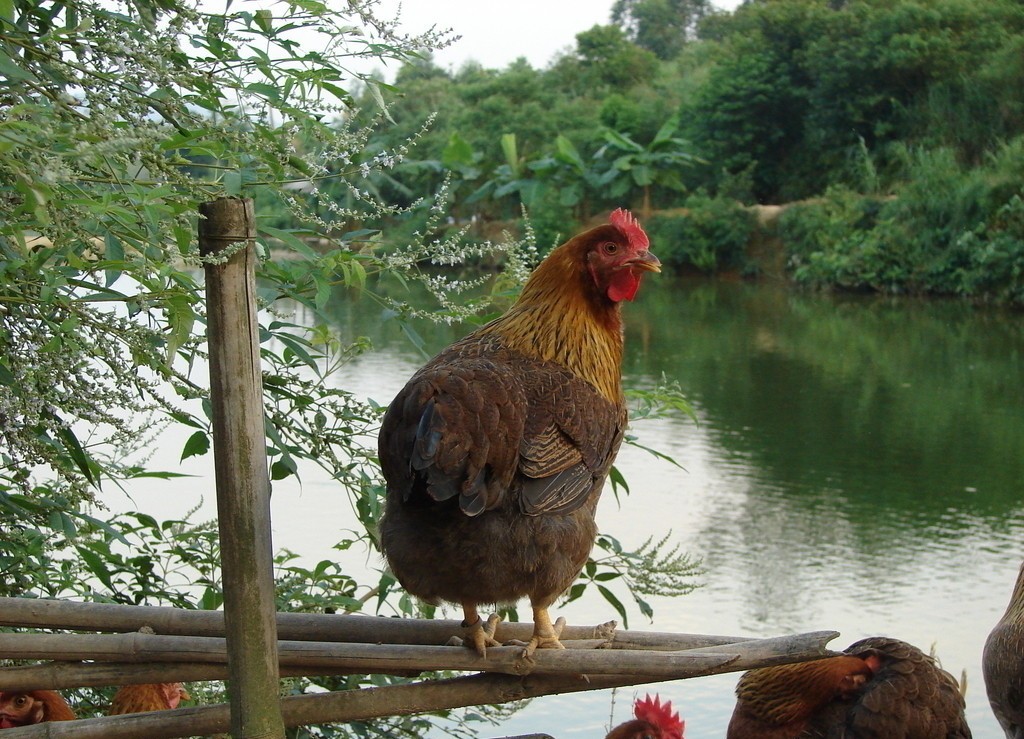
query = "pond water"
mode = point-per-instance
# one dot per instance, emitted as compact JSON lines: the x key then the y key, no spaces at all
{"x":857,"y":465}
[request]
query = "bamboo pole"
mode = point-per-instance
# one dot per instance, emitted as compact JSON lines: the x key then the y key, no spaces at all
{"x":57,"y":614}
{"x":348,"y":658}
{"x":352,"y":705}
{"x":318,"y":709}
{"x":240,"y":463}
{"x":63,"y":675}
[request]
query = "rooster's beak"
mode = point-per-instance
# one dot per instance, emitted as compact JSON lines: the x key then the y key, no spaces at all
{"x":645,"y":261}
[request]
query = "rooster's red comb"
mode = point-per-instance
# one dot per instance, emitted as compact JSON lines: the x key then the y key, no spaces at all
{"x":623,"y":220}
{"x":660,"y":714}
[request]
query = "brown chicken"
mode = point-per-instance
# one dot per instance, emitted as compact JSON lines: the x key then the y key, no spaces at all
{"x":881,"y":688}
{"x":148,"y":697}
{"x":654,"y":720}
{"x":1002,"y":664}
{"x":32,"y":707}
{"x":496,"y":451}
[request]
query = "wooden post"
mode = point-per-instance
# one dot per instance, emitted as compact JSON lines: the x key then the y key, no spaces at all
{"x":240,"y":459}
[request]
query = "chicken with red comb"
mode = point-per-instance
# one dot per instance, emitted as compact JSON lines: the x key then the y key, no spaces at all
{"x":653,"y":720}
{"x":496,"y":451}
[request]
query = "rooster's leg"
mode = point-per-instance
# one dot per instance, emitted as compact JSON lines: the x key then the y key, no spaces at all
{"x":545,"y":634}
{"x":479,"y":634}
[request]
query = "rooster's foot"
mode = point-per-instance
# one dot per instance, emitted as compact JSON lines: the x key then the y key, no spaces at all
{"x":480,"y":635}
{"x":545,"y":638}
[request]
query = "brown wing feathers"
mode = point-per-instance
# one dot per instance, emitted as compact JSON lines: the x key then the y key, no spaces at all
{"x":475,"y":427}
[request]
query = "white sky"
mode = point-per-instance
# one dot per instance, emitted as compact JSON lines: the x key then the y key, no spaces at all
{"x":496,"y":34}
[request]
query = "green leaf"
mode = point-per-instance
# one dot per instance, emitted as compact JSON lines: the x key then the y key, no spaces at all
{"x":233,"y":183}
{"x":147,"y":521}
{"x":343,"y":95}
{"x":181,"y":318}
{"x":290,"y":238}
{"x":457,"y":152}
{"x":156,"y":475}
{"x":212,"y":599}
{"x":299,"y":347}
{"x":654,"y":452}
{"x":96,"y":565}
{"x":61,"y":521}
{"x":187,"y":419}
{"x":510,"y":150}
{"x":270,"y":92}
{"x":7,"y":12}
{"x":102,"y":526}
{"x":113,"y":253}
{"x":568,"y":153}
{"x":36,"y":194}
{"x":618,"y":481}
{"x":664,"y":133}
{"x":264,"y":18}
{"x":622,"y":141}
{"x":360,"y":234}
{"x":480,"y":193}
{"x":74,"y":449}
{"x":616,"y":604}
{"x":197,"y":445}
{"x":11,"y":69}
{"x":643,"y":175}
{"x":412,"y":335}
{"x":283,"y":468}
{"x":507,"y":188}
{"x":576,"y":591}
{"x":323,"y":290}
{"x":379,"y":99}
{"x":571,"y":195}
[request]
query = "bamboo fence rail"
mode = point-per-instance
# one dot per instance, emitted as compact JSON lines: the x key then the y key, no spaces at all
{"x":195,"y":649}
{"x":342,"y":706}
{"x":43,"y":613}
{"x":353,"y":658}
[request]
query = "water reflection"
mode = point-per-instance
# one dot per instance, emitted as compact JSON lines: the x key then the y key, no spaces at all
{"x":857,"y":466}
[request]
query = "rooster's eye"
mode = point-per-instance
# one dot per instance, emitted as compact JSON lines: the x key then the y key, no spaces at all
{"x":20,"y":701}
{"x":610,"y":247}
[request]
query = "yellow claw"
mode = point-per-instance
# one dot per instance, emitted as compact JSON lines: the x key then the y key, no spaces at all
{"x":545,"y":634}
{"x":480,"y":635}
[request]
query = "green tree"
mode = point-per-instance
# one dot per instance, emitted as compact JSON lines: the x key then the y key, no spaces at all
{"x":660,"y":26}
{"x":797,"y":87}
{"x":749,"y":113}
{"x":609,"y":59}
{"x":576,"y":179}
{"x":656,"y":164}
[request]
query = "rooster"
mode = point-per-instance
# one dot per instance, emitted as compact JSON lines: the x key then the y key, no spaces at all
{"x":879,"y":687}
{"x":654,"y":720}
{"x":19,"y":708}
{"x":496,"y":451}
{"x":148,"y":697}
{"x":1002,"y":664}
